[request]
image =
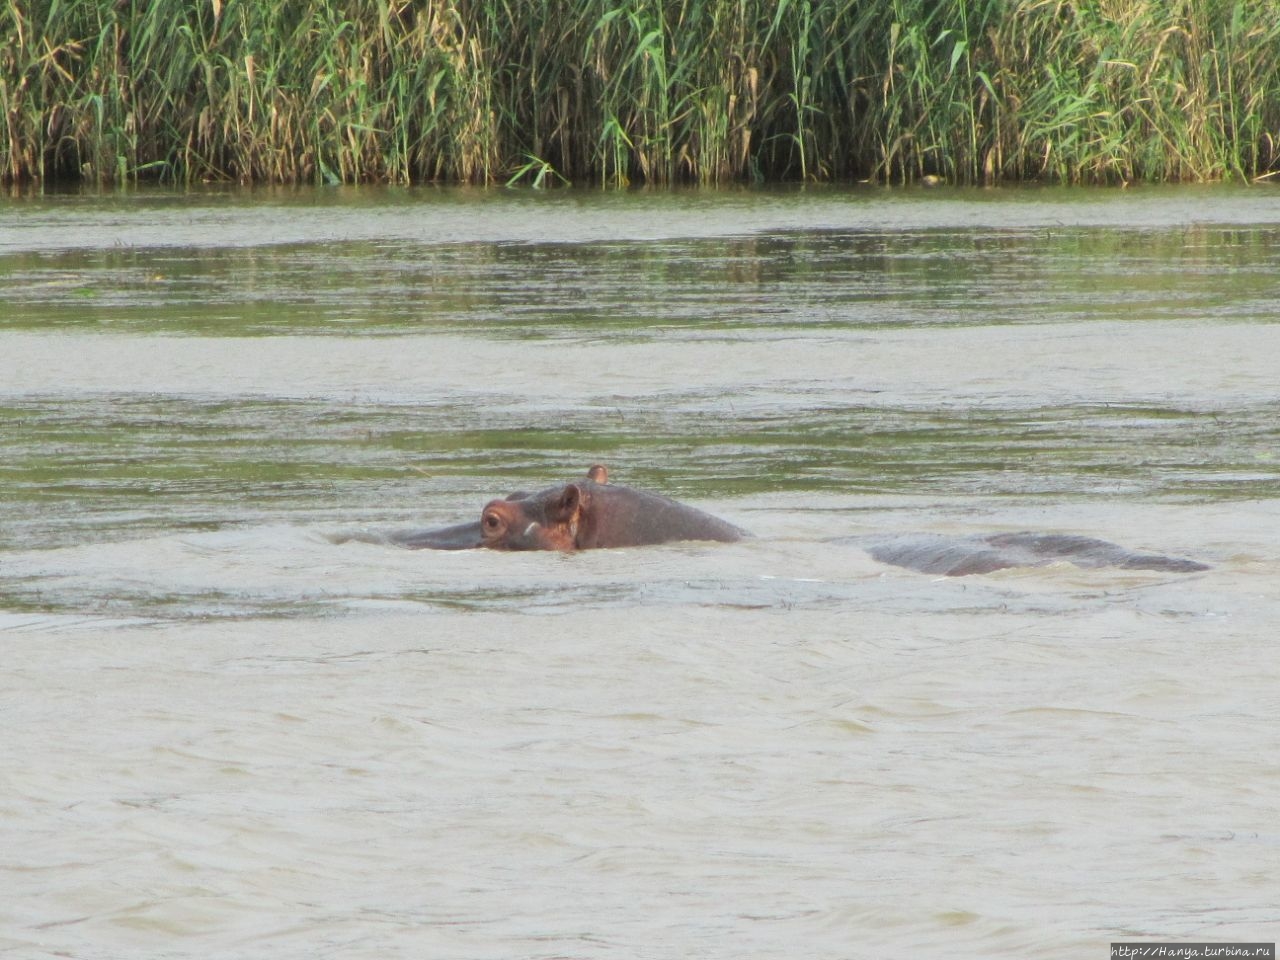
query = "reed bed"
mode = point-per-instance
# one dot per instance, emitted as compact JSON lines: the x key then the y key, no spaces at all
{"x":652,"y":91}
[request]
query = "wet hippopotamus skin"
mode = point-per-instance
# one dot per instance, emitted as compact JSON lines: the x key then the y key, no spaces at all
{"x":584,"y":514}
{"x":592,"y":513}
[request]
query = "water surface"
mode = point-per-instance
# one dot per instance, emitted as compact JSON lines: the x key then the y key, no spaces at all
{"x":238,"y":723}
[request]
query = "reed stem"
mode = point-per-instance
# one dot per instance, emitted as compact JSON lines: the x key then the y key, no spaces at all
{"x":645,"y":91}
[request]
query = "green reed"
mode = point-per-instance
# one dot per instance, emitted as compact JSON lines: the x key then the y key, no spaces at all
{"x":653,"y":91}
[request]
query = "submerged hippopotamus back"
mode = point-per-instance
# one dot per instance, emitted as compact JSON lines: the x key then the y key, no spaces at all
{"x":965,"y":556}
{"x":592,"y":513}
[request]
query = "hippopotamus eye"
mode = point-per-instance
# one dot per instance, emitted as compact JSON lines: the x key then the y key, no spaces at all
{"x":491,"y":521}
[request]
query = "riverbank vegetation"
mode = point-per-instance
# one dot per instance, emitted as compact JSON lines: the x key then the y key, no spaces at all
{"x":652,"y":91}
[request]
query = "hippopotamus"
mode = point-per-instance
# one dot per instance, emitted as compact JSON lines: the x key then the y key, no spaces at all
{"x":964,"y":556}
{"x":580,"y":515}
{"x":592,"y":513}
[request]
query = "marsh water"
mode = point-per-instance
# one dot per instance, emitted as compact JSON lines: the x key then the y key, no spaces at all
{"x":238,"y":725}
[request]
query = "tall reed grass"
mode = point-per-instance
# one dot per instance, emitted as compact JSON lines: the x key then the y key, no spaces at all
{"x":654,"y":91}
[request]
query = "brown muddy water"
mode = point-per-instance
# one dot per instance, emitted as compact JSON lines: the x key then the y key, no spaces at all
{"x":232,"y":731}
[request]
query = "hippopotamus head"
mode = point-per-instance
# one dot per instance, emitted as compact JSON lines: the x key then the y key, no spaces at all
{"x":552,"y":519}
{"x":549,"y":520}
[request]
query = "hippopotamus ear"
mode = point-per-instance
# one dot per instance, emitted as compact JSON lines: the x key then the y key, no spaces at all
{"x":598,"y":473}
{"x":567,"y":506}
